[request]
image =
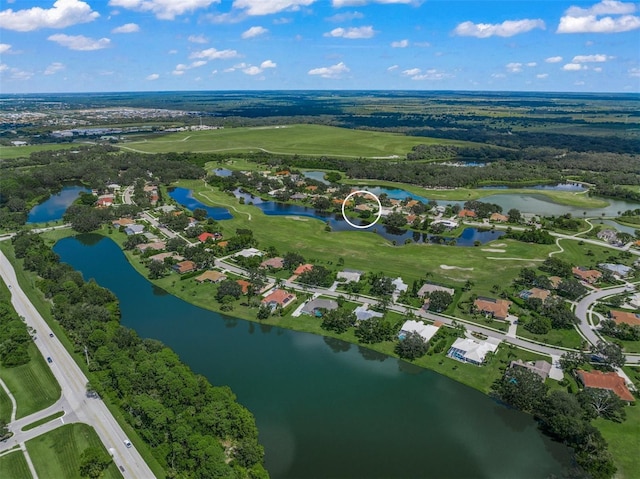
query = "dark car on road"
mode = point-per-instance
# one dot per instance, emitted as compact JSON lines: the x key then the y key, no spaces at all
{"x":49,"y":360}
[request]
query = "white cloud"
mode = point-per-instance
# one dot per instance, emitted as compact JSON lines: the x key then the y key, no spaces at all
{"x":351,"y":33}
{"x":252,"y":70}
{"x":163,"y":9}
{"x":213,"y":54}
{"x":591,"y":20}
{"x":55,"y":67}
{"x":3,"y":67}
{"x":634,"y":72}
{"x":153,"y":76}
{"x":514,"y":67}
{"x":333,"y":71}
{"x":553,"y":60}
{"x":599,"y":58}
{"x":411,"y":72}
{"x":64,"y":13}
{"x":268,"y":64}
{"x":267,"y":7}
{"x":532,"y":64}
{"x":400,"y":44}
{"x":79,"y":42}
{"x":197,"y":64}
{"x":507,"y":28}
{"x":197,"y":39}
{"x":392,"y":67}
{"x":254,"y":32}
{"x":345,"y":17}
{"x":4,"y":48}
{"x":597,"y":69}
{"x":126,"y":28}
{"x":573,"y":67}
{"x":542,"y":76}
{"x":431,"y":74}
{"x":353,"y":3}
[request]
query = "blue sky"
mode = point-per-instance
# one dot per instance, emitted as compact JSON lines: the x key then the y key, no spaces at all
{"x":142,"y":45}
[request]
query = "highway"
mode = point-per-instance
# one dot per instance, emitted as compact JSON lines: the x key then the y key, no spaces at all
{"x":74,"y":401}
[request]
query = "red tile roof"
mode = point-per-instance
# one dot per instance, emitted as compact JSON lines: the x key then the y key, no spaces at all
{"x":467,"y":214}
{"x":245,"y":285}
{"x":281,"y":297}
{"x":610,"y":381}
{"x":626,"y":317}
{"x":499,"y":308}
{"x":303,"y":268}
{"x":588,"y":275}
{"x":205,"y":236}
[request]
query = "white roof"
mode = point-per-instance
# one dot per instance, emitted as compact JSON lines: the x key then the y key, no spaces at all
{"x":399,"y":284}
{"x":475,"y":350}
{"x":427,"y":331}
{"x":362,"y":313}
{"x":249,"y":252}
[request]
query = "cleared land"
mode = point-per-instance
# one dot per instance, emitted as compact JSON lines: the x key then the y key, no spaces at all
{"x":315,"y":140}
{"x":57,"y":453}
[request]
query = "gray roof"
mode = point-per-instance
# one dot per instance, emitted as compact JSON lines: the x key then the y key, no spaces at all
{"x":540,"y":367}
{"x":430,"y":288}
{"x":314,"y":304}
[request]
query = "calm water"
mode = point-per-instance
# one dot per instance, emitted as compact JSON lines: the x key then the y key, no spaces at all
{"x":185,"y":198}
{"x":325,"y":408}
{"x":316,"y":175}
{"x":617,"y":226}
{"x":575,"y":187}
{"x":53,"y":208}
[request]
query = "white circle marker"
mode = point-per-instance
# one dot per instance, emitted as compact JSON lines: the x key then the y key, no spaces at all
{"x":363,"y":192}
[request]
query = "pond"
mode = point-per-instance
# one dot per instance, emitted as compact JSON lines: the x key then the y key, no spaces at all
{"x":574,"y":187}
{"x":185,"y":197}
{"x":54,"y":207}
{"x":316,"y":175}
{"x":326,"y":408}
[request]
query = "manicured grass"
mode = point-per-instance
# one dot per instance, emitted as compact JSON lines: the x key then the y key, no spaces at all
{"x":577,"y":255}
{"x":33,"y":384}
{"x":315,"y":140}
{"x":44,"y":420}
{"x":566,"y":338}
{"x":14,"y":466}
{"x":56,"y":454}
{"x":7,"y":152}
{"x":5,"y":407}
{"x":624,"y":442}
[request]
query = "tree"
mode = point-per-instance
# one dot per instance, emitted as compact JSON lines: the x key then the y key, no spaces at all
{"x":333,"y":177}
{"x":602,"y":403}
{"x":316,"y":276}
{"x":292,"y":260}
{"x":93,"y":461}
{"x":522,"y":389}
{"x":263,"y":312}
{"x":374,"y":330}
{"x":200,"y":214}
{"x":413,"y":346}
{"x":157,"y":269}
{"x":572,"y":360}
{"x":610,"y":354}
{"x":514,"y":215}
{"x":338,"y":320}
{"x":439,"y":301}
{"x":321,"y":203}
{"x":228,"y":288}
{"x":395,"y":220}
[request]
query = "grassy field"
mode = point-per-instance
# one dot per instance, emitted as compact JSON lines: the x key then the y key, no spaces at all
{"x":57,"y":454}
{"x":314,"y":140}
{"x":14,"y":466}
{"x":624,"y":442}
{"x":9,"y":152}
{"x":44,"y":420}
{"x":5,"y":407}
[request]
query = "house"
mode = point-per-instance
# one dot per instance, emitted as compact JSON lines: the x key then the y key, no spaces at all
{"x":617,"y":269}
{"x":634,"y":301}
{"x":279,"y":297}
{"x":160,"y":257}
{"x":363,"y":314}
{"x":205,"y":236}
{"x":541,"y":294}
{"x":472,"y":351}
{"x":499,"y":218}
{"x":498,"y":308}
{"x":426,"y":331}
{"x":249,"y":253}
{"x":184,"y":267}
{"x":540,"y":367}
{"x":298,"y":196}
{"x":363,"y":207}
{"x":122,"y":222}
{"x":222,"y":244}
{"x":350,"y":275}
{"x":446,"y":223}
{"x":610,"y":236}
{"x":104,"y":202}
{"x":134,"y":229}
{"x":303,"y":268}
{"x":311,"y":188}
{"x":244,"y":284}
{"x":625,"y":317}
{"x":273,"y":263}
{"x":156,"y":246}
{"x":609,"y":381}
{"x":399,"y":285}
{"x":555,"y":281}
{"x":211,"y":276}
{"x":411,"y":218}
{"x":315,"y":306}
{"x":429,"y":288}
{"x":467,"y":214}
{"x":588,"y":275}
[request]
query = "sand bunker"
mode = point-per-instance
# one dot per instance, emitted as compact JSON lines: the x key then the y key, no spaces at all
{"x":498,"y":245}
{"x":297,"y":218}
{"x":493,"y":250}
{"x":446,"y":266}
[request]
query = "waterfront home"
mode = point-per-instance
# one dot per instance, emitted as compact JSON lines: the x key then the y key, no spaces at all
{"x":273,"y":263}
{"x":471,"y":350}
{"x":617,"y":269}
{"x":205,"y":236}
{"x":156,"y":246}
{"x":350,"y":275}
{"x":104,"y":202}
{"x":363,"y":313}
{"x":185,"y":266}
{"x":609,"y":381}
{"x":426,"y":331}
{"x":211,"y":276}
{"x":160,"y":257}
{"x":540,"y":367}
{"x":446,"y":223}
{"x":610,"y":236}
{"x":244,"y":284}
{"x":279,"y":297}
{"x":587,"y":275}
{"x":134,"y":229}
{"x":541,"y":294}
{"x":298,"y":196}
{"x":625,"y":317}
{"x":122,"y":222}
{"x":315,"y":306}
{"x":466,"y":214}
{"x":499,"y":218}
{"x":429,"y":288}
{"x":497,"y":308}
{"x":303,"y":268}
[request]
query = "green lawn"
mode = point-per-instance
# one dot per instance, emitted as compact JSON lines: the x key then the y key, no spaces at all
{"x":624,"y":442}
{"x":14,"y":466}
{"x":567,"y":338}
{"x":5,"y":406}
{"x":7,"y":152}
{"x":56,"y":454}
{"x":32,"y":384}
{"x":44,"y":420}
{"x":316,"y":140}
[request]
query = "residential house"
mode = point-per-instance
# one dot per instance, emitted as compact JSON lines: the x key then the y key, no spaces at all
{"x":298,"y":196}
{"x":134,"y":229}
{"x":499,"y":218}
{"x":540,"y":367}
{"x":249,"y":253}
{"x":471,"y":350}
{"x":155,"y":246}
{"x":160,"y":257}
{"x":541,"y":294}
{"x":625,"y":317}
{"x":244,"y":284}
{"x":185,"y":266}
{"x":429,"y":288}
{"x":104,"y":202}
{"x":634,"y":301}
{"x":363,"y":313}
{"x":211,"y":276}
{"x":555,"y":281}
{"x":446,"y":223}
{"x":498,"y":308}
{"x":609,"y":381}
{"x":205,"y":236}
{"x":617,"y":269}
{"x":467,"y":214}
{"x":279,"y":297}
{"x":399,"y":285}
{"x":303,"y":268}
{"x":426,"y":331}
{"x":315,"y":306}
{"x":588,"y":275}
{"x":610,"y":236}
{"x":273,"y":263}
{"x":122,"y":222}
{"x":350,"y":275}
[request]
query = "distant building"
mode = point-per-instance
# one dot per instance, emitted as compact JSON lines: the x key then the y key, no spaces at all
{"x":134,"y":229}
{"x":610,"y":236}
{"x":156,"y":246}
{"x":499,"y":218}
{"x":186,"y":266}
{"x":467,"y":214}
{"x":555,"y":281}
{"x":249,"y":253}
{"x":609,"y":381}
{"x":211,"y":276}
{"x":303,"y":268}
{"x":275,"y":263}
{"x":399,"y":285}
{"x":363,"y":313}
{"x":541,"y":294}
{"x":315,"y":306}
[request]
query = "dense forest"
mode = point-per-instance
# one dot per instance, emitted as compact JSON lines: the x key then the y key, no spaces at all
{"x":194,"y":429}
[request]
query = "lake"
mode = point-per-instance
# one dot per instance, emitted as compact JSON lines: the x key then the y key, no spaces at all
{"x":326,"y":408}
{"x":54,"y":207}
{"x":186,"y":199}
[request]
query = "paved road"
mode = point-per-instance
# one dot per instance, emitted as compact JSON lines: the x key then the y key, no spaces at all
{"x":73,"y":382}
